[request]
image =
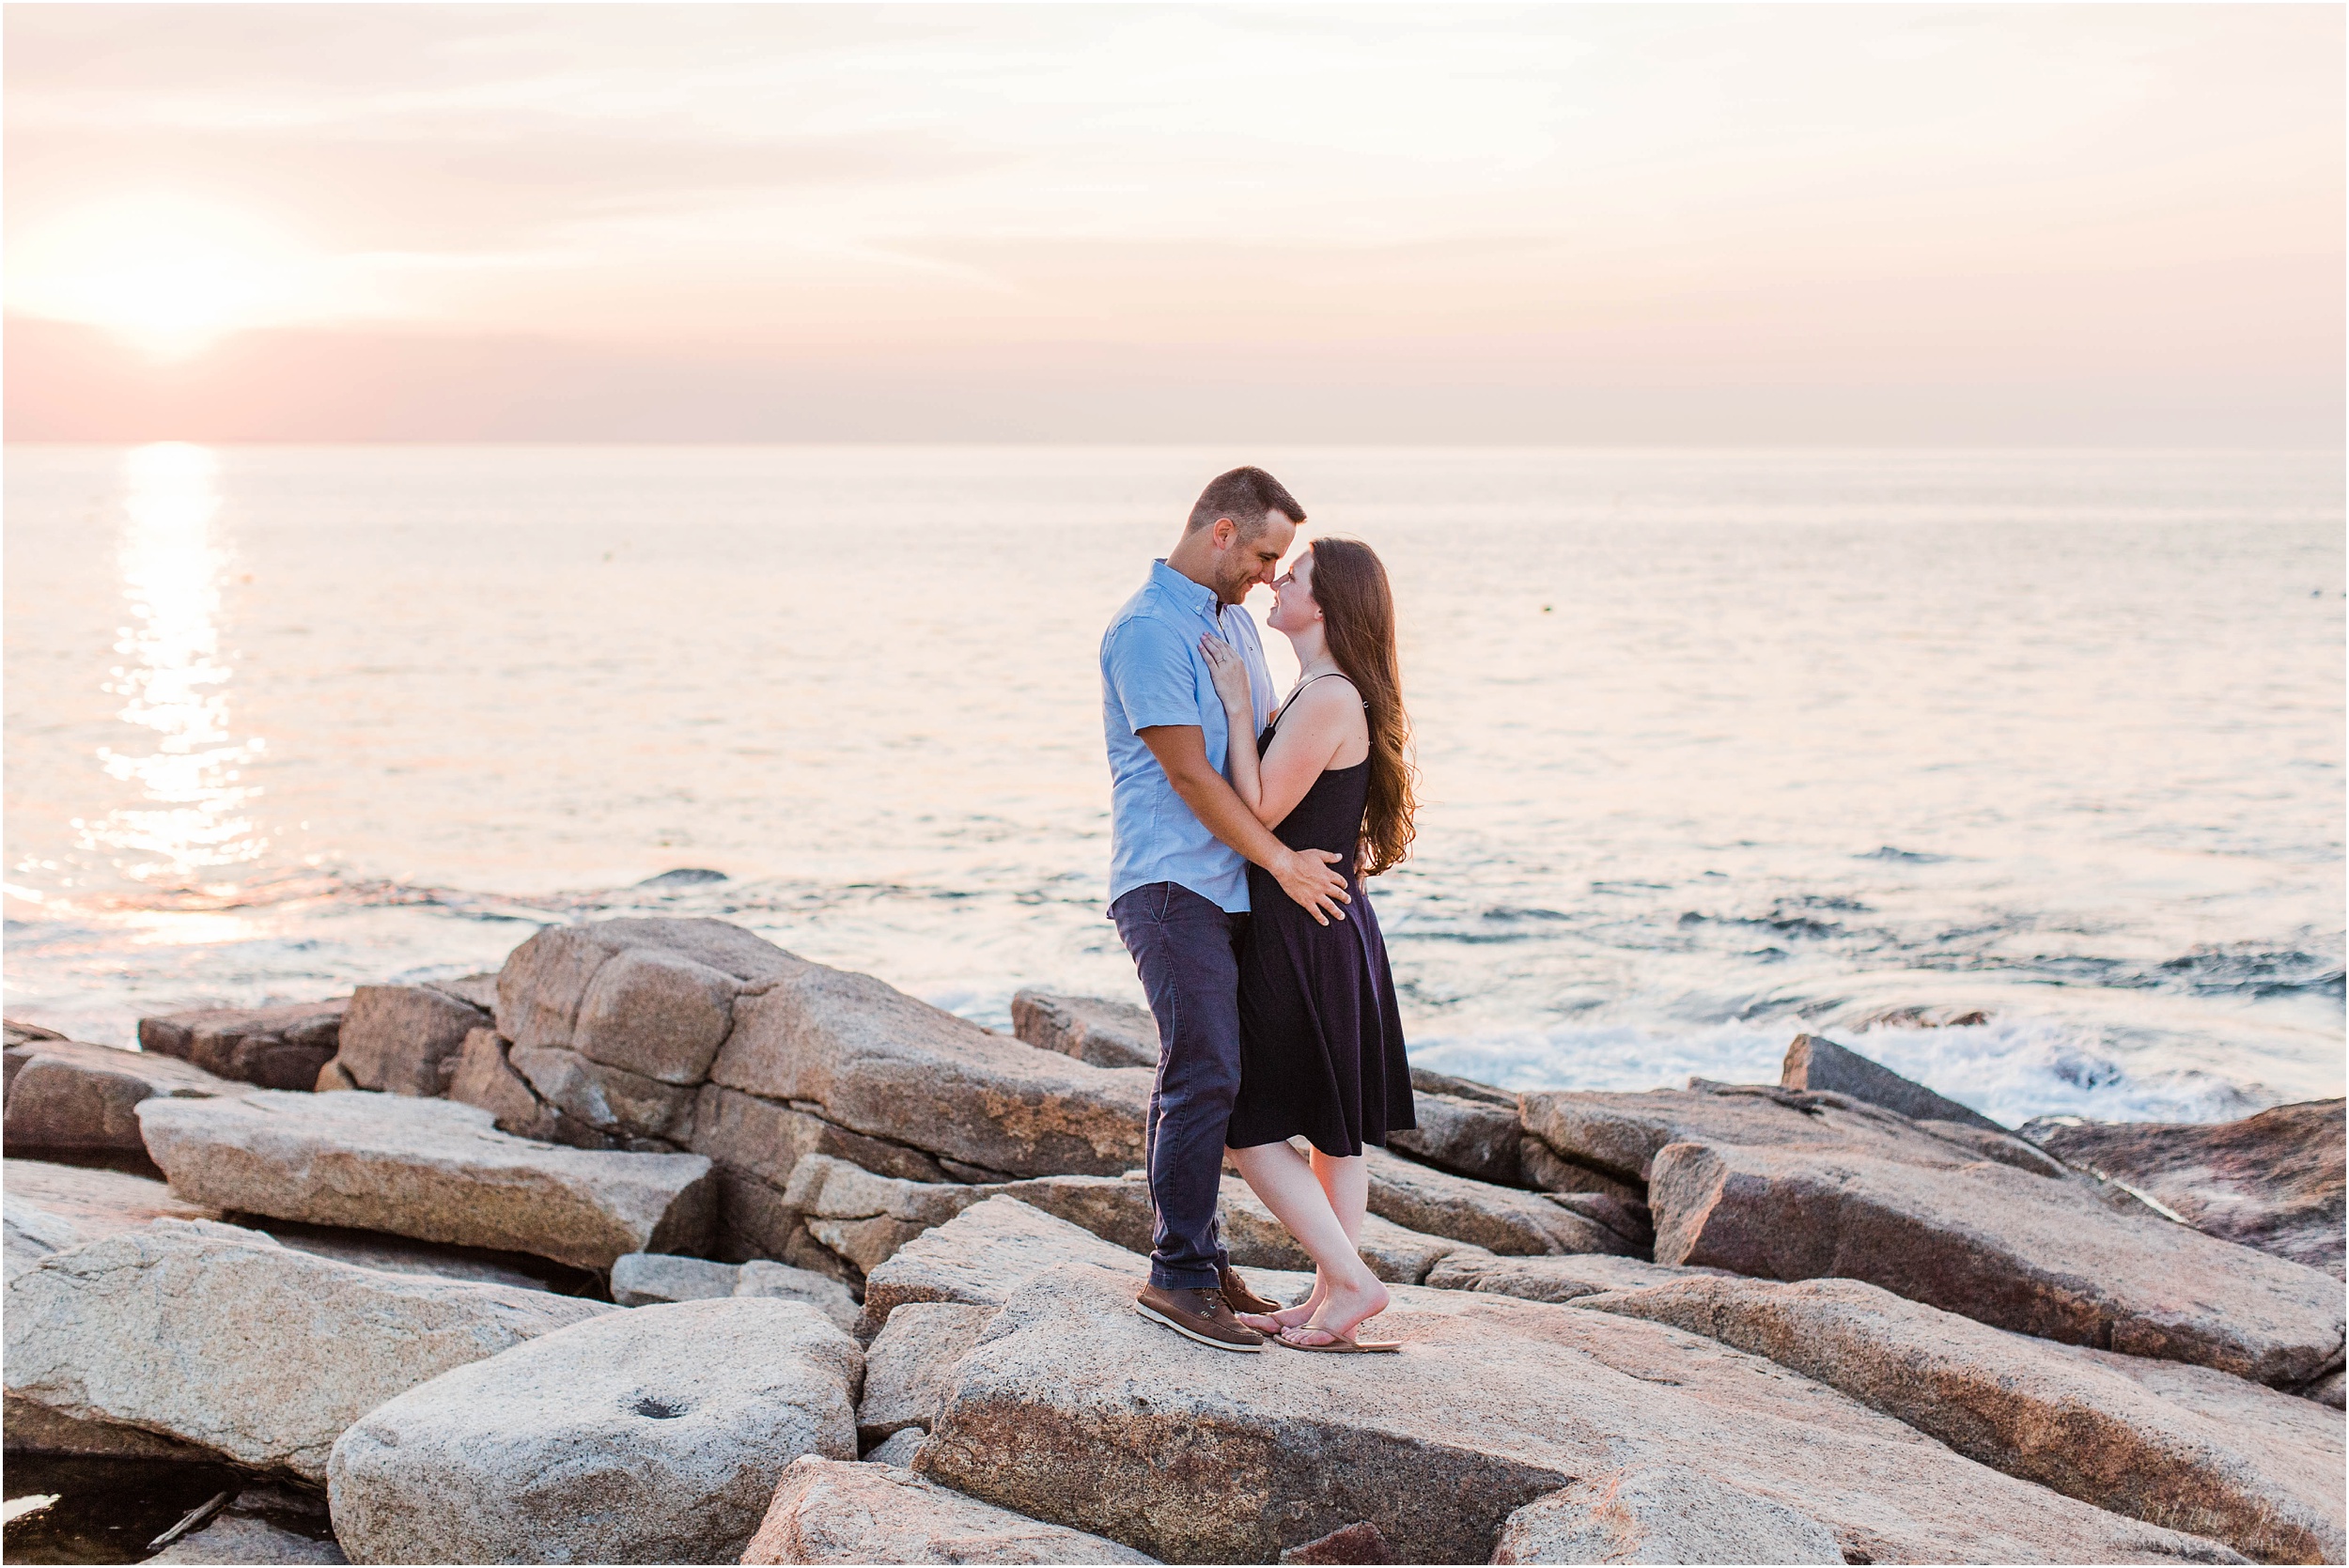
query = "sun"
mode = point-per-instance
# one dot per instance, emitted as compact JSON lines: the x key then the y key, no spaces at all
{"x":170,"y":274}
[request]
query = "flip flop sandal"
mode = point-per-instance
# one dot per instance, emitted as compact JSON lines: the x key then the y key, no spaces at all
{"x":1339,"y":1347}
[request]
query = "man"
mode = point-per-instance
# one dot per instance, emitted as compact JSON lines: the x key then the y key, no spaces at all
{"x":1178,"y":881}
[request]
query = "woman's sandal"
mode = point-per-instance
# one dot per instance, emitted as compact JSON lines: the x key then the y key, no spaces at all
{"x":1336,"y":1347}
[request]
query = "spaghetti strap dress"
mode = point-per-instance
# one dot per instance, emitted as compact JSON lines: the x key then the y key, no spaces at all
{"x":1320,"y":1037}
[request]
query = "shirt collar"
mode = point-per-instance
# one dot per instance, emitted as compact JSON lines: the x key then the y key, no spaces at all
{"x":1197,"y":595}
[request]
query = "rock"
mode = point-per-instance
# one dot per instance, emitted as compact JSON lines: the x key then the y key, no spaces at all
{"x":981,"y":1256}
{"x":1944,"y":1140}
{"x":13,"y":1033}
{"x":757,"y":1145}
{"x":1552,"y":1279}
{"x":475,"y":990}
{"x":2290,"y":1434}
{"x":2014,"y":1250}
{"x":1116,"y":1212}
{"x":1498,"y":1218}
{"x":962,"y":1170}
{"x":657,"y":997}
{"x":2214,"y":1393}
{"x":649,"y":1436}
{"x":2228,"y":1459}
{"x":1662,"y":1513}
{"x":406,"y":1256}
{"x":429,"y":1168}
{"x":2273,"y":1181}
{"x":404,"y":1039}
{"x":218,"y":1336}
{"x":68,"y":1094}
{"x":2004,"y":1147}
{"x":485,"y":1078}
{"x":875,"y":1061}
{"x":898,"y":1450}
{"x":658,"y":1015}
{"x":650,"y":997}
{"x":1359,"y":1542}
{"x":1076,"y":1411}
{"x":1630,"y":1221}
{"x":1941,"y":1016}
{"x":334,"y":1078}
{"x":864,"y":1217}
{"x":1115,"y":1208}
{"x":545,"y":982}
{"x":32,"y":1235}
{"x":829,"y":1512}
{"x":1815,"y":1061}
{"x":1543,"y":1169}
{"x":1471,"y":1138}
{"x":1427,"y":1080}
{"x":614,"y":1102}
{"x":1620,"y":1135}
{"x":277,"y":1048}
{"x":1091,"y":1029}
{"x":910,"y":1367}
{"x":767,"y":1140}
{"x":233,"y":1537}
{"x":27,"y":1426}
{"x":682,"y":876}
{"x":1255,"y":1239}
{"x":782,"y":1282}
{"x":2326,"y":1391}
{"x":50,"y":1209}
{"x":651,"y":1278}
{"x":754,"y":1222}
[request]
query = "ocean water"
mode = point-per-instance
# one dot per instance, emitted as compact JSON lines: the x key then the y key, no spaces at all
{"x":1719,"y":746}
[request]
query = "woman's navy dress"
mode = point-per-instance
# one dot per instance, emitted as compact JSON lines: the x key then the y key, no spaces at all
{"x":1320,"y":1039}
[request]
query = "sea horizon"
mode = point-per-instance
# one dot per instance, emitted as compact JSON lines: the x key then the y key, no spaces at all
{"x":377,"y":709}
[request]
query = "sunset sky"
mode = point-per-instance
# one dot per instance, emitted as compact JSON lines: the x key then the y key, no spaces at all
{"x":2094,"y":224}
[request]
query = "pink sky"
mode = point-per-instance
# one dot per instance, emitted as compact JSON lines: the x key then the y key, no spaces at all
{"x":2096,"y":224}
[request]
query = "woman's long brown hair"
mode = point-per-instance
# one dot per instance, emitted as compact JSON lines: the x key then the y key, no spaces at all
{"x":1358,"y":618}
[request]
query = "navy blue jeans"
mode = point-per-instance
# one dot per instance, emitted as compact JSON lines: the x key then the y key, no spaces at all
{"x":1186,"y":950}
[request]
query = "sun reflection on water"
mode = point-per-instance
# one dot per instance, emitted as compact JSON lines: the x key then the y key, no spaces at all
{"x":192,"y":816}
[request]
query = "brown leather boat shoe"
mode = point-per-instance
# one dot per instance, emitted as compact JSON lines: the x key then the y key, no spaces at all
{"x":1240,"y":1298}
{"x":1197,"y":1314}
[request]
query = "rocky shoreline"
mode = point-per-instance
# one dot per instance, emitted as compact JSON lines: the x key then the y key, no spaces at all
{"x":664,"y":1245}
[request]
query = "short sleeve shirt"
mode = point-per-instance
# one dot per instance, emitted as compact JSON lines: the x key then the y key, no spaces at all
{"x":1152,"y":674}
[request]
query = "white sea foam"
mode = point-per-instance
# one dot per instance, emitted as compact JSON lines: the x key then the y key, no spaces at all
{"x":2009,"y":1071}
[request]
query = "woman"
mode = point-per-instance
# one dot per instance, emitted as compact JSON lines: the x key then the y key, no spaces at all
{"x":1321,"y":1043}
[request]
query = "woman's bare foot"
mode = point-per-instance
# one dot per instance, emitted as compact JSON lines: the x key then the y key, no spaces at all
{"x":1344,"y":1309}
{"x":1288,"y":1317}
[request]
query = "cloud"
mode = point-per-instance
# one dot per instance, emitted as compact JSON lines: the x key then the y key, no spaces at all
{"x":474,"y":187}
{"x":73,"y":383}
{"x":1503,"y":199}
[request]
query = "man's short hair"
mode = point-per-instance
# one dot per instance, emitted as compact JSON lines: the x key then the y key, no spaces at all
{"x":1246,"y":495}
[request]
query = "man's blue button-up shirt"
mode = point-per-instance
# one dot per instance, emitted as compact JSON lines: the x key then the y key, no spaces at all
{"x":1153,"y":673}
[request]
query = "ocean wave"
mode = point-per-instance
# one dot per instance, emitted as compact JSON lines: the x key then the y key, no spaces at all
{"x":2009,"y":1070}
{"x":1618,"y":1003}
{"x":309,"y":887}
{"x":2260,"y":971}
